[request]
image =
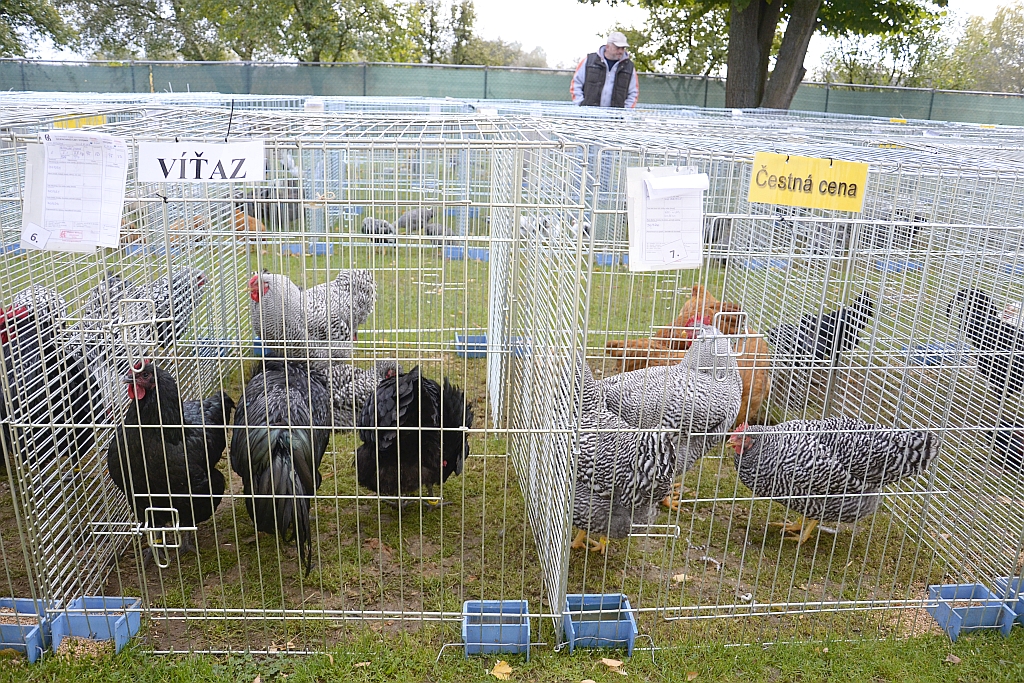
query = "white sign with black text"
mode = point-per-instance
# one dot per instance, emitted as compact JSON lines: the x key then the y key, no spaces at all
{"x":665,"y":214}
{"x":201,"y":162}
{"x":74,"y":191}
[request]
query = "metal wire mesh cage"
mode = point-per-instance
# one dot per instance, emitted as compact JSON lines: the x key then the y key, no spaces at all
{"x":495,"y":244}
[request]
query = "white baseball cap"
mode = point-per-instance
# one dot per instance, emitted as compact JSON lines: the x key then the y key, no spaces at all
{"x":618,"y":39}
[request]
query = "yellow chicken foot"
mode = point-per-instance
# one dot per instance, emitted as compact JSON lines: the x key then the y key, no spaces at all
{"x":674,"y":500}
{"x":598,"y":546}
{"x":580,"y":541}
{"x":799,"y":532}
{"x":789,"y":527}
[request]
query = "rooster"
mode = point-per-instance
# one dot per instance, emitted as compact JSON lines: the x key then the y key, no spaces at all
{"x":48,"y":380}
{"x":414,"y":435}
{"x":165,"y":452}
{"x":830,"y":470}
{"x":1001,"y":344}
{"x":699,"y":398}
{"x":282,"y":426}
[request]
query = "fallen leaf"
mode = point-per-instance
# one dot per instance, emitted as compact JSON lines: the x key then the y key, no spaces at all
{"x":679,"y":578}
{"x":690,"y":675}
{"x":360,"y":664}
{"x":802,"y":586}
{"x":952,"y":658}
{"x":611,"y":663}
{"x":502,"y":671}
{"x":257,"y":679}
{"x":588,"y":680}
{"x":824,"y":650}
{"x":470,"y":579}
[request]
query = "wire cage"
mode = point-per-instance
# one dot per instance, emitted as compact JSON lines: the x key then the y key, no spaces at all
{"x":519,"y":267}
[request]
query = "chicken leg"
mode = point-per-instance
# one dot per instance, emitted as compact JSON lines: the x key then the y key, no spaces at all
{"x":435,"y":505}
{"x":674,"y":500}
{"x":583,"y":540}
{"x":580,"y":541}
{"x":799,"y":531}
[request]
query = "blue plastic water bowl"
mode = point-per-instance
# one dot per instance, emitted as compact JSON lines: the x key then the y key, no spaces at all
{"x":599,"y":620}
{"x":97,"y":618}
{"x":293,"y":249}
{"x":1011,"y":589}
{"x":764,"y":264}
{"x":990,"y":613}
{"x":320,"y":249}
{"x":898,"y":266}
{"x":13,"y":249}
{"x":31,"y":634}
{"x":1014,"y":269}
{"x":470,"y":211}
{"x":625,"y":259}
{"x":478,"y":254}
{"x":520,"y":346}
{"x":471,"y":345}
{"x":490,"y":626}
{"x":605,"y":260}
{"x":933,"y":353}
{"x":454,"y":253}
{"x":261,"y":351}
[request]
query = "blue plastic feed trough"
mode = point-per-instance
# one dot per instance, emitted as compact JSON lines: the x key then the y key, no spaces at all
{"x":983,"y":611}
{"x":13,"y":249}
{"x":471,"y":345}
{"x":765,"y":264}
{"x":293,"y":249}
{"x":490,"y":626}
{"x":471,"y":253}
{"x":321,"y":249}
{"x":603,"y":260}
{"x":899,"y":266}
{"x":29,"y":634}
{"x":97,"y":618}
{"x":595,"y":620}
{"x":1011,"y":588}
{"x":934,"y":353}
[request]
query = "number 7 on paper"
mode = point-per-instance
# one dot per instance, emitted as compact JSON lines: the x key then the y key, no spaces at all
{"x":665,"y":214}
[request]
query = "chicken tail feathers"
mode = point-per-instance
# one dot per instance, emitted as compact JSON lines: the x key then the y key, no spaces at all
{"x":282,"y":503}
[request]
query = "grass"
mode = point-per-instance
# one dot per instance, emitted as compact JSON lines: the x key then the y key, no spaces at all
{"x":369,"y":658}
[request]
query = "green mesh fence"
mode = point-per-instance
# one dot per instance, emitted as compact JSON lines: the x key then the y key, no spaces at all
{"x":475,"y":82}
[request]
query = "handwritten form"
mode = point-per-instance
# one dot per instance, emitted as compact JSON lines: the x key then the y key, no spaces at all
{"x":665,"y":213}
{"x":74,"y":192}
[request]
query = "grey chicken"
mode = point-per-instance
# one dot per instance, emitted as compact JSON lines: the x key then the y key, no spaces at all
{"x":414,"y":221}
{"x":319,"y":323}
{"x":176,"y":298}
{"x":282,"y":426}
{"x":1001,"y":344}
{"x":621,"y":471}
{"x":830,"y":470}
{"x":699,"y":398}
{"x":384,"y":231}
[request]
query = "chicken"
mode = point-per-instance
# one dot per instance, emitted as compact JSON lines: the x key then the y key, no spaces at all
{"x":1008,"y":443}
{"x":414,"y":221}
{"x":805,"y":353}
{"x":175,"y":299}
{"x":699,"y":398}
{"x":621,"y":471}
{"x":830,"y":470}
{"x":48,"y":382}
{"x":378,"y":226}
{"x":1001,"y":360}
{"x":165,"y":452}
{"x":668,"y":346}
{"x":282,"y":426}
{"x":350,"y":387}
{"x":319,"y":322}
{"x":414,"y":435}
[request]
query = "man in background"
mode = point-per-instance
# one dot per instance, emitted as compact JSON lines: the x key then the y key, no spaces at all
{"x":606,"y":78}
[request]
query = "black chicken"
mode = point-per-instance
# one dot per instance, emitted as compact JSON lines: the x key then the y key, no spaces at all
{"x":165,"y":453}
{"x":824,"y":337}
{"x":47,"y":380}
{"x":282,"y":426}
{"x":1008,"y":444}
{"x":413,"y":434}
{"x":1001,"y":360}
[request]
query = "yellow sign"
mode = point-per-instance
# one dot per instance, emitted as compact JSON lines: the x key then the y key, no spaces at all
{"x":807,"y":181}
{"x":80,"y":121}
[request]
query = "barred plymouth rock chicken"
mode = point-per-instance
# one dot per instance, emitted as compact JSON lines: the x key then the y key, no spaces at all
{"x":699,"y":397}
{"x":830,"y":470}
{"x":414,"y":434}
{"x":622,"y":471}
{"x":1001,"y":344}
{"x":165,"y":452}
{"x":47,"y":380}
{"x":282,"y":426}
{"x":176,"y":298}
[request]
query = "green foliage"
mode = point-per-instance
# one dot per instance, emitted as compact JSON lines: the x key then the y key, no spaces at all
{"x":23,"y":22}
{"x":992,"y":53}
{"x":680,"y":37}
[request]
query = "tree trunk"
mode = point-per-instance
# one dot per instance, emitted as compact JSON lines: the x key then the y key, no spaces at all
{"x":751,"y":30}
{"x":789,"y":67}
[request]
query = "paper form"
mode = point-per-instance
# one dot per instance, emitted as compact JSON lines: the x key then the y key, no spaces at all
{"x":74,"y":192}
{"x":665,"y":213}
